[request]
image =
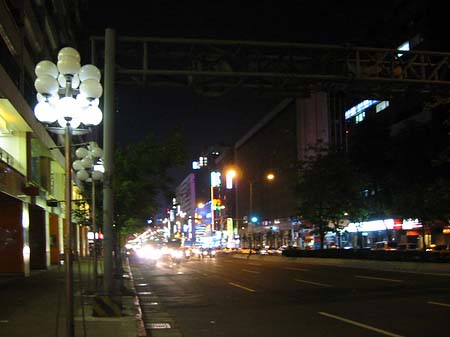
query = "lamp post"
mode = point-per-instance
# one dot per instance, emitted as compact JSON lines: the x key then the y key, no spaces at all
{"x":68,"y":98}
{"x":90,"y":169}
{"x":231,"y":175}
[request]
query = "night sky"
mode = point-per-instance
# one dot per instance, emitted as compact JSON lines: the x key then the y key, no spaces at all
{"x":212,"y":120}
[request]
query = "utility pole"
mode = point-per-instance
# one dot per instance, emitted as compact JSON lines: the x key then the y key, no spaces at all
{"x":108,"y":145}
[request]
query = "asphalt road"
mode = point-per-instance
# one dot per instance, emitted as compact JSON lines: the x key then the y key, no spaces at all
{"x":224,"y":296}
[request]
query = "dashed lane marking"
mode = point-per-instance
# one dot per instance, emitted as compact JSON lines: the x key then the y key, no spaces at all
{"x":378,"y":278}
{"x":439,"y":303}
{"x":242,"y":287}
{"x":313,"y":283}
{"x":251,"y":271}
{"x":361,"y":325}
{"x":297,"y":269}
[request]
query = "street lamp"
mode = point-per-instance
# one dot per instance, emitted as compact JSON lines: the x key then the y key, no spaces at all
{"x":231,"y":174}
{"x":68,"y":97}
{"x":90,"y":168}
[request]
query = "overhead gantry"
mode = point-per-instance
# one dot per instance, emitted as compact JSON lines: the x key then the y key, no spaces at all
{"x":213,"y":67}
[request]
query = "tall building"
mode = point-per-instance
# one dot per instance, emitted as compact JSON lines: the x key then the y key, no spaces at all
{"x":266,"y":210}
{"x":31,"y":164}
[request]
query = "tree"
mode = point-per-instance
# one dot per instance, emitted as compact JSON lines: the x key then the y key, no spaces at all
{"x":422,"y":183}
{"x":328,"y":188}
{"x":370,"y":152}
{"x":142,"y":175}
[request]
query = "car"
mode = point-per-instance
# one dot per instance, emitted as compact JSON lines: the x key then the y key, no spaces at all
{"x":208,"y":252}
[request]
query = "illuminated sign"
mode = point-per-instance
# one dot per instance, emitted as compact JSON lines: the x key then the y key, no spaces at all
{"x":380,"y":225}
{"x":215,"y":179}
{"x":360,"y":107}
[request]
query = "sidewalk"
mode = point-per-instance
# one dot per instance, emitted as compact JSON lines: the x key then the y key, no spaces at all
{"x":35,"y":306}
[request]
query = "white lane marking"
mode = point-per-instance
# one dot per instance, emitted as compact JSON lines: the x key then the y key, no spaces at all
{"x":361,"y":325}
{"x":251,"y":271}
{"x":242,"y":287}
{"x":299,"y":269}
{"x":378,"y":278}
{"x":4,"y":321}
{"x":313,"y":283}
{"x":439,"y":303}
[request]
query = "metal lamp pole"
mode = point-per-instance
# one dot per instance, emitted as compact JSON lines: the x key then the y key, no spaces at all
{"x":57,"y":87}
{"x":250,"y":212}
{"x":89,"y":168}
{"x":70,"y":327}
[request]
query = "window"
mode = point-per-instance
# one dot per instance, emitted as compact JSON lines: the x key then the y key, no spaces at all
{"x":360,"y":117}
{"x":381,"y":106}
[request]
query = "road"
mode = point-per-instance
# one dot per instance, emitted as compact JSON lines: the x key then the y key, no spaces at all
{"x":225,"y":296}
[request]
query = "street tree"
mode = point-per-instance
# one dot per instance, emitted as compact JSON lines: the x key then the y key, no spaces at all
{"x":142,"y":177}
{"x":422,"y":183}
{"x":328,"y":189}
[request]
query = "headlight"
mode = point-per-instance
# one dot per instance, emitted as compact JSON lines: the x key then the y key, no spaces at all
{"x":177,"y":254}
{"x":148,"y":253}
{"x":213,"y":252}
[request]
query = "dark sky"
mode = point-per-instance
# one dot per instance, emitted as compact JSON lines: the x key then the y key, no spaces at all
{"x":207,"y":120}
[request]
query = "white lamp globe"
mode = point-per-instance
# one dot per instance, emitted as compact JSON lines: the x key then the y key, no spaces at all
{"x":96,"y":152}
{"x":82,"y":101}
{"x":91,"y":88}
{"x":45,"y":113}
{"x":62,"y":80}
{"x":83,"y":174}
{"x":90,"y":72}
{"x":41,"y":98}
{"x":68,"y":107}
{"x":46,"y":84}
{"x":94,"y":102}
{"x":81,"y":152}
{"x":75,"y":81}
{"x":46,"y":68}
{"x":97,"y":175}
{"x":69,"y":52}
{"x":73,"y":123}
{"x":91,"y":115}
{"x":87,"y":162}
{"x":77,"y":165}
{"x":69,"y":65}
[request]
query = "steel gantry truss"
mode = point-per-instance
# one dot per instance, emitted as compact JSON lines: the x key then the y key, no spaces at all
{"x":213,"y":67}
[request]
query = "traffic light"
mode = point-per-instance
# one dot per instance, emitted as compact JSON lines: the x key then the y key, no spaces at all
{"x":254,"y":219}
{"x":217,"y":204}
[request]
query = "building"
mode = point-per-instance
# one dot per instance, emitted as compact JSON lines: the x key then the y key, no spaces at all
{"x":31,"y":164}
{"x":264,"y":210}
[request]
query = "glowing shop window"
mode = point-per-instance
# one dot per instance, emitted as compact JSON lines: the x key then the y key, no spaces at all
{"x":360,"y":117}
{"x":381,"y":106}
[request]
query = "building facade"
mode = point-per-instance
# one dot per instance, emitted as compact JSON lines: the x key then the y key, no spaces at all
{"x":31,"y":163}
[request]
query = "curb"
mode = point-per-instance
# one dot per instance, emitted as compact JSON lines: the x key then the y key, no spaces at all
{"x":139,"y":321}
